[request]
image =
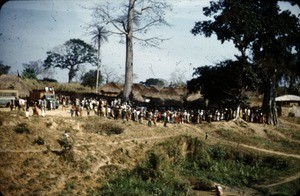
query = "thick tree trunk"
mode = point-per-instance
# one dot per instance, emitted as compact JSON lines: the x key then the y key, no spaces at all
{"x":129,"y":53}
{"x":238,"y":120}
{"x":269,"y":104}
{"x":71,"y":74}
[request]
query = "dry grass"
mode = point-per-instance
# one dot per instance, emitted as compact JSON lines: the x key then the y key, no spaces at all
{"x":28,"y":168}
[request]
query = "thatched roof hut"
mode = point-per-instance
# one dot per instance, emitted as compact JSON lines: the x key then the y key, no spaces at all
{"x":137,"y":87}
{"x":110,"y":90}
{"x":181,"y":91}
{"x":136,"y":96}
{"x":150,"y":92}
{"x":12,"y":82}
{"x":168,"y":93}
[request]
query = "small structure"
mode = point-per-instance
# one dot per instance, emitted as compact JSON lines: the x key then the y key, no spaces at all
{"x":288,"y":105}
{"x":111,"y":90}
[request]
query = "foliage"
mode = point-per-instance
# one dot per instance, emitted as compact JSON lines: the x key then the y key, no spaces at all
{"x":152,"y":177}
{"x":39,"y":141}
{"x":38,"y":69}
{"x":22,"y":128}
{"x":73,"y":54}
{"x":104,"y":128}
{"x":29,"y":73}
{"x":89,"y":79}
{"x":4,"y":69}
{"x":65,"y":143}
{"x":224,"y":83}
{"x":264,"y":34}
{"x":100,"y":35}
{"x":154,"y":81}
{"x":184,"y":162}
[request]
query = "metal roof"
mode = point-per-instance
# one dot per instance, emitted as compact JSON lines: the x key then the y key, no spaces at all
{"x":287,"y":98}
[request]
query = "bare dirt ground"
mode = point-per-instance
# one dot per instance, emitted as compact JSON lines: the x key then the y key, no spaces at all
{"x":39,"y":169}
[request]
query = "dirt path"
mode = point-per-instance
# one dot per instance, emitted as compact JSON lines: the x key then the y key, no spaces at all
{"x":284,"y":180}
{"x":271,"y":151}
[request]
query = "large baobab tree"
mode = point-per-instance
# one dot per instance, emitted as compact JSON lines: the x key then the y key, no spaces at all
{"x":73,"y":54}
{"x":100,"y":34}
{"x":132,"y":21}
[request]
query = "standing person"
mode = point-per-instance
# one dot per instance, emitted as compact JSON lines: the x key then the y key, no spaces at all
{"x":150,"y":116}
{"x":27,"y":108}
{"x":43,"y":107}
{"x":64,"y":103}
{"x":17,"y":105}
{"x":72,"y":110}
{"x":11,"y":104}
{"x":165,"y":115}
{"x":34,"y":109}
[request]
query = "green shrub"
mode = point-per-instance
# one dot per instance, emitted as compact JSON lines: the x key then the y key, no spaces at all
{"x":110,"y":129}
{"x":39,"y":141}
{"x":65,"y":143}
{"x":22,"y":128}
{"x":216,"y":152}
{"x":104,"y":128}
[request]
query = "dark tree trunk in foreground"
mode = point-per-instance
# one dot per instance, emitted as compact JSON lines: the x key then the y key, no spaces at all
{"x":269,"y":104}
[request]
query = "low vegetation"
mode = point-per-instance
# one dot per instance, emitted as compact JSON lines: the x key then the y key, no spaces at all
{"x":22,"y":128}
{"x":102,"y":156}
{"x":184,"y":163}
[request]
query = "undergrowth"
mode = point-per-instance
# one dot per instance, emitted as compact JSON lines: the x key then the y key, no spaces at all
{"x":103,"y":128}
{"x":22,"y":128}
{"x":169,"y":166}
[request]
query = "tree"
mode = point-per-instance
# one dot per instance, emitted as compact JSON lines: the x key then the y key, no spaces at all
{"x":133,"y":20}
{"x":154,"y":81}
{"x":225,"y":83}
{"x":29,"y":73}
{"x":90,"y":78}
{"x":110,"y":75}
{"x":178,"y":78}
{"x":265,"y":37}
{"x":38,"y":69}
{"x":4,"y":69}
{"x":100,"y":34}
{"x":71,"y":56}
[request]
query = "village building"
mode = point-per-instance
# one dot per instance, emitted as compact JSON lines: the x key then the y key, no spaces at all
{"x":288,"y":105}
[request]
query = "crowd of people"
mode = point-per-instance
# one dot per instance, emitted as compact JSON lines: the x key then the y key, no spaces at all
{"x":126,"y":111}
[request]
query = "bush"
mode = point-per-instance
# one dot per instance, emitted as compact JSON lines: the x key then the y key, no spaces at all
{"x":104,"y":128}
{"x":22,"y":128}
{"x":108,"y":129}
{"x":39,"y":141}
{"x":216,"y":152}
{"x":65,"y":143}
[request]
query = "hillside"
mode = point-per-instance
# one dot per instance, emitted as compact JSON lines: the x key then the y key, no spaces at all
{"x":104,"y":150}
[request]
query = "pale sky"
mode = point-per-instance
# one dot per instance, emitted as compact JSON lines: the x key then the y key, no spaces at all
{"x":28,"y":29}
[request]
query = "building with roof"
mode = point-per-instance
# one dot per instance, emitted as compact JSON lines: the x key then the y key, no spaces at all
{"x":288,"y":105}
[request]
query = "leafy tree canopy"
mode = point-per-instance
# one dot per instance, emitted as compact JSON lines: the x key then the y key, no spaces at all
{"x":154,"y":81}
{"x":71,"y":55}
{"x":223,"y":83}
{"x":89,"y":79}
{"x":4,"y":69}
{"x":264,"y":34}
{"x":29,"y":73}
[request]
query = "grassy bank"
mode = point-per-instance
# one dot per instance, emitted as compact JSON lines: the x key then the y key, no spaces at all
{"x":183,"y":163}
